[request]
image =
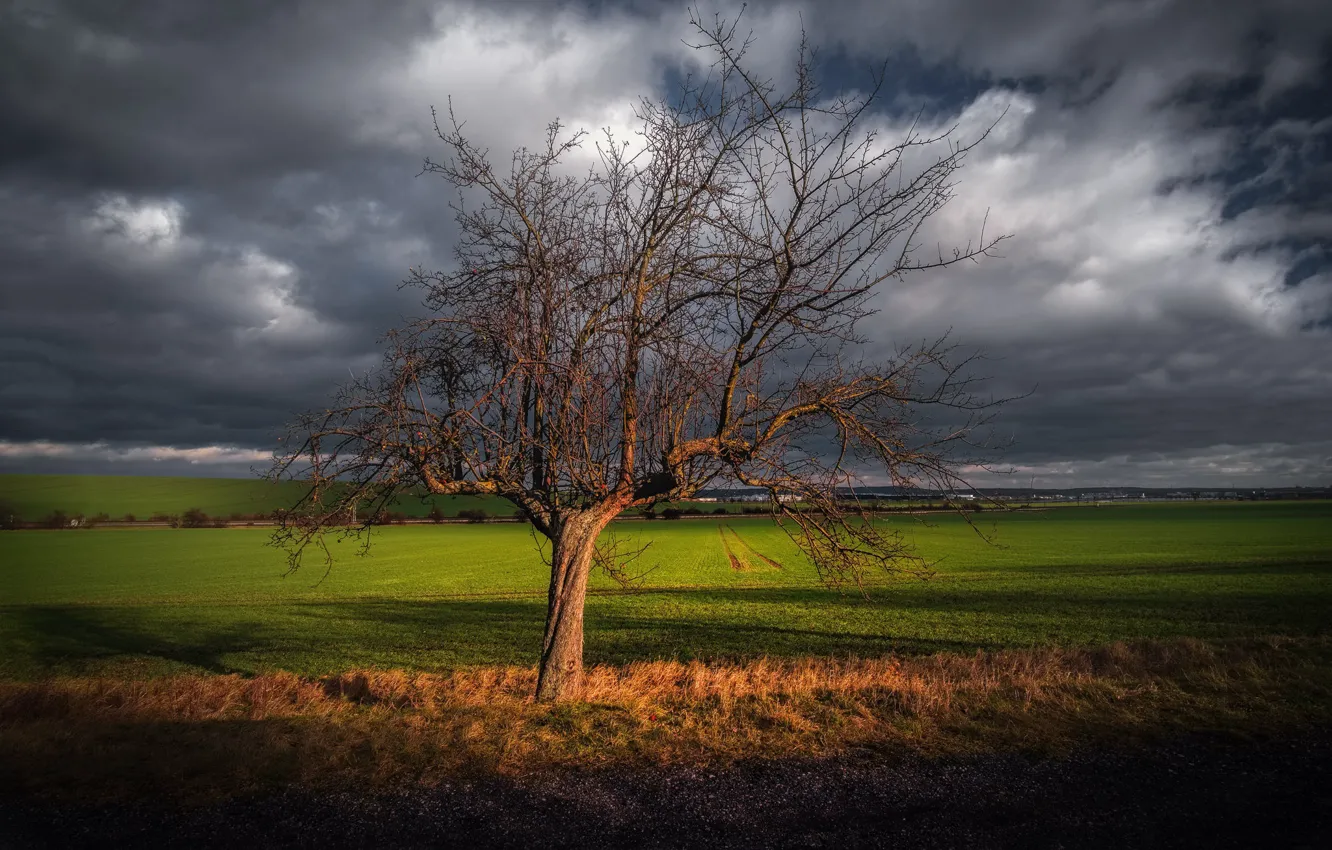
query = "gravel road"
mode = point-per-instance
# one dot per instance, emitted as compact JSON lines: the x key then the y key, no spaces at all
{"x":1188,"y":793}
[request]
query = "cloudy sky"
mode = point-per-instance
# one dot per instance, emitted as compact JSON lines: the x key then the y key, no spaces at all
{"x":206,"y":208}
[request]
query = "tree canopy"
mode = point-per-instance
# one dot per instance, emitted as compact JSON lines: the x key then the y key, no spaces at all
{"x":686,"y":313}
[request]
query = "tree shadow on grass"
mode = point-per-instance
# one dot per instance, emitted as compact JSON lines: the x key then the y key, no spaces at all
{"x":40,"y":640}
{"x":717,"y":624}
{"x":72,"y":637}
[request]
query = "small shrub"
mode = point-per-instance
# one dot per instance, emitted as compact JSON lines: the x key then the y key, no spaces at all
{"x":194,"y":518}
{"x":128,"y":518}
{"x":672,"y":513}
{"x":435,"y":515}
{"x":56,"y":519}
{"x":473,"y":515}
{"x":719,"y":511}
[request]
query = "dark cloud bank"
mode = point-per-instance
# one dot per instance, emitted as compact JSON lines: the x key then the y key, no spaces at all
{"x":205,"y":209}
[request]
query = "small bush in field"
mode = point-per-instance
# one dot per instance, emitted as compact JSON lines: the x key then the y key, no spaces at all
{"x":194,"y":518}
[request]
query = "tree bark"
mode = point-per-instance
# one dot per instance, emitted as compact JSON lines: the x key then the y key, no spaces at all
{"x":561,"y":674}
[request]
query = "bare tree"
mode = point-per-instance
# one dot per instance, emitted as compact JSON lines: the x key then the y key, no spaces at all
{"x":681,"y":315}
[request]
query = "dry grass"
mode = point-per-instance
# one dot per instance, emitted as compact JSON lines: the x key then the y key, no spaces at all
{"x":207,"y":735}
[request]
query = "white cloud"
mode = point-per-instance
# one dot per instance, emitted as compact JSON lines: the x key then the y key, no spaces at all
{"x":511,"y":70}
{"x":148,"y":227}
{"x":102,"y":451}
{"x":1223,"y":466}
{"x":1096,"y":244}
{"x":265,"y":287}
{"x":242,"y":281}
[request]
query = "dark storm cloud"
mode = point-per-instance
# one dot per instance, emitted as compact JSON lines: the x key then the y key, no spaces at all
{"x":205,"y":208}
{"x":153,"y":97}
{"x":231,"y":124}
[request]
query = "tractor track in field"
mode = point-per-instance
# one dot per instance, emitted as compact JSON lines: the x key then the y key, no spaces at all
{"x":777,"y":565}
{"x":737,"y":564}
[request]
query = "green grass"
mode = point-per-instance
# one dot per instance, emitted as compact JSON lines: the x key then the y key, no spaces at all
{"x":34,"y":497}
{"x":157,"y":601}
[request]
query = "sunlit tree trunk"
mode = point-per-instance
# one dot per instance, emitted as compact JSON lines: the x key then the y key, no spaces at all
{"x":572,"y":545}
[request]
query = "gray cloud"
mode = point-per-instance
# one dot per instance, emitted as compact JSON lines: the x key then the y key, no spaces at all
{"x":205,"y":209}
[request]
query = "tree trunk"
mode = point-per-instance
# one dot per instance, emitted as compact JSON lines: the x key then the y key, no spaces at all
{"x":561,"y":674}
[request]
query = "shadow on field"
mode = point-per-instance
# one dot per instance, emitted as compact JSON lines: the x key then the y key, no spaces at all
{"x":1282,"y":567}
{"x":77,"y":636}
{"x":722,"y":624}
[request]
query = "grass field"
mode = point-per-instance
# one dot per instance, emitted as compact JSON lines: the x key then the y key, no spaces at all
{"x":158,"y":601}
{"x":35,"y":496}
{"x":160,"y":664}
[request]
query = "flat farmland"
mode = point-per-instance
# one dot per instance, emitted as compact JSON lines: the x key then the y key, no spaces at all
{"x":33,"y":497}
{"x":150,"y":602}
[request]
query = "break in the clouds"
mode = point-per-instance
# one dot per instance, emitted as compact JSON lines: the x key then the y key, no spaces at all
{"x":206,"y":208}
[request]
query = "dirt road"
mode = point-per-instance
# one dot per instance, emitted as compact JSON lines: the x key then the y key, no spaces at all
{"x":1190,"y":793}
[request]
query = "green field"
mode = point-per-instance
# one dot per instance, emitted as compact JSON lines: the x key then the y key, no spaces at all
{"x":154,"y":601}
{"x":36,"y":496}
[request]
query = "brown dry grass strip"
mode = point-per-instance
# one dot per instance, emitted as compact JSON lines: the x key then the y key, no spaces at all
{"x":216,"y":735}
